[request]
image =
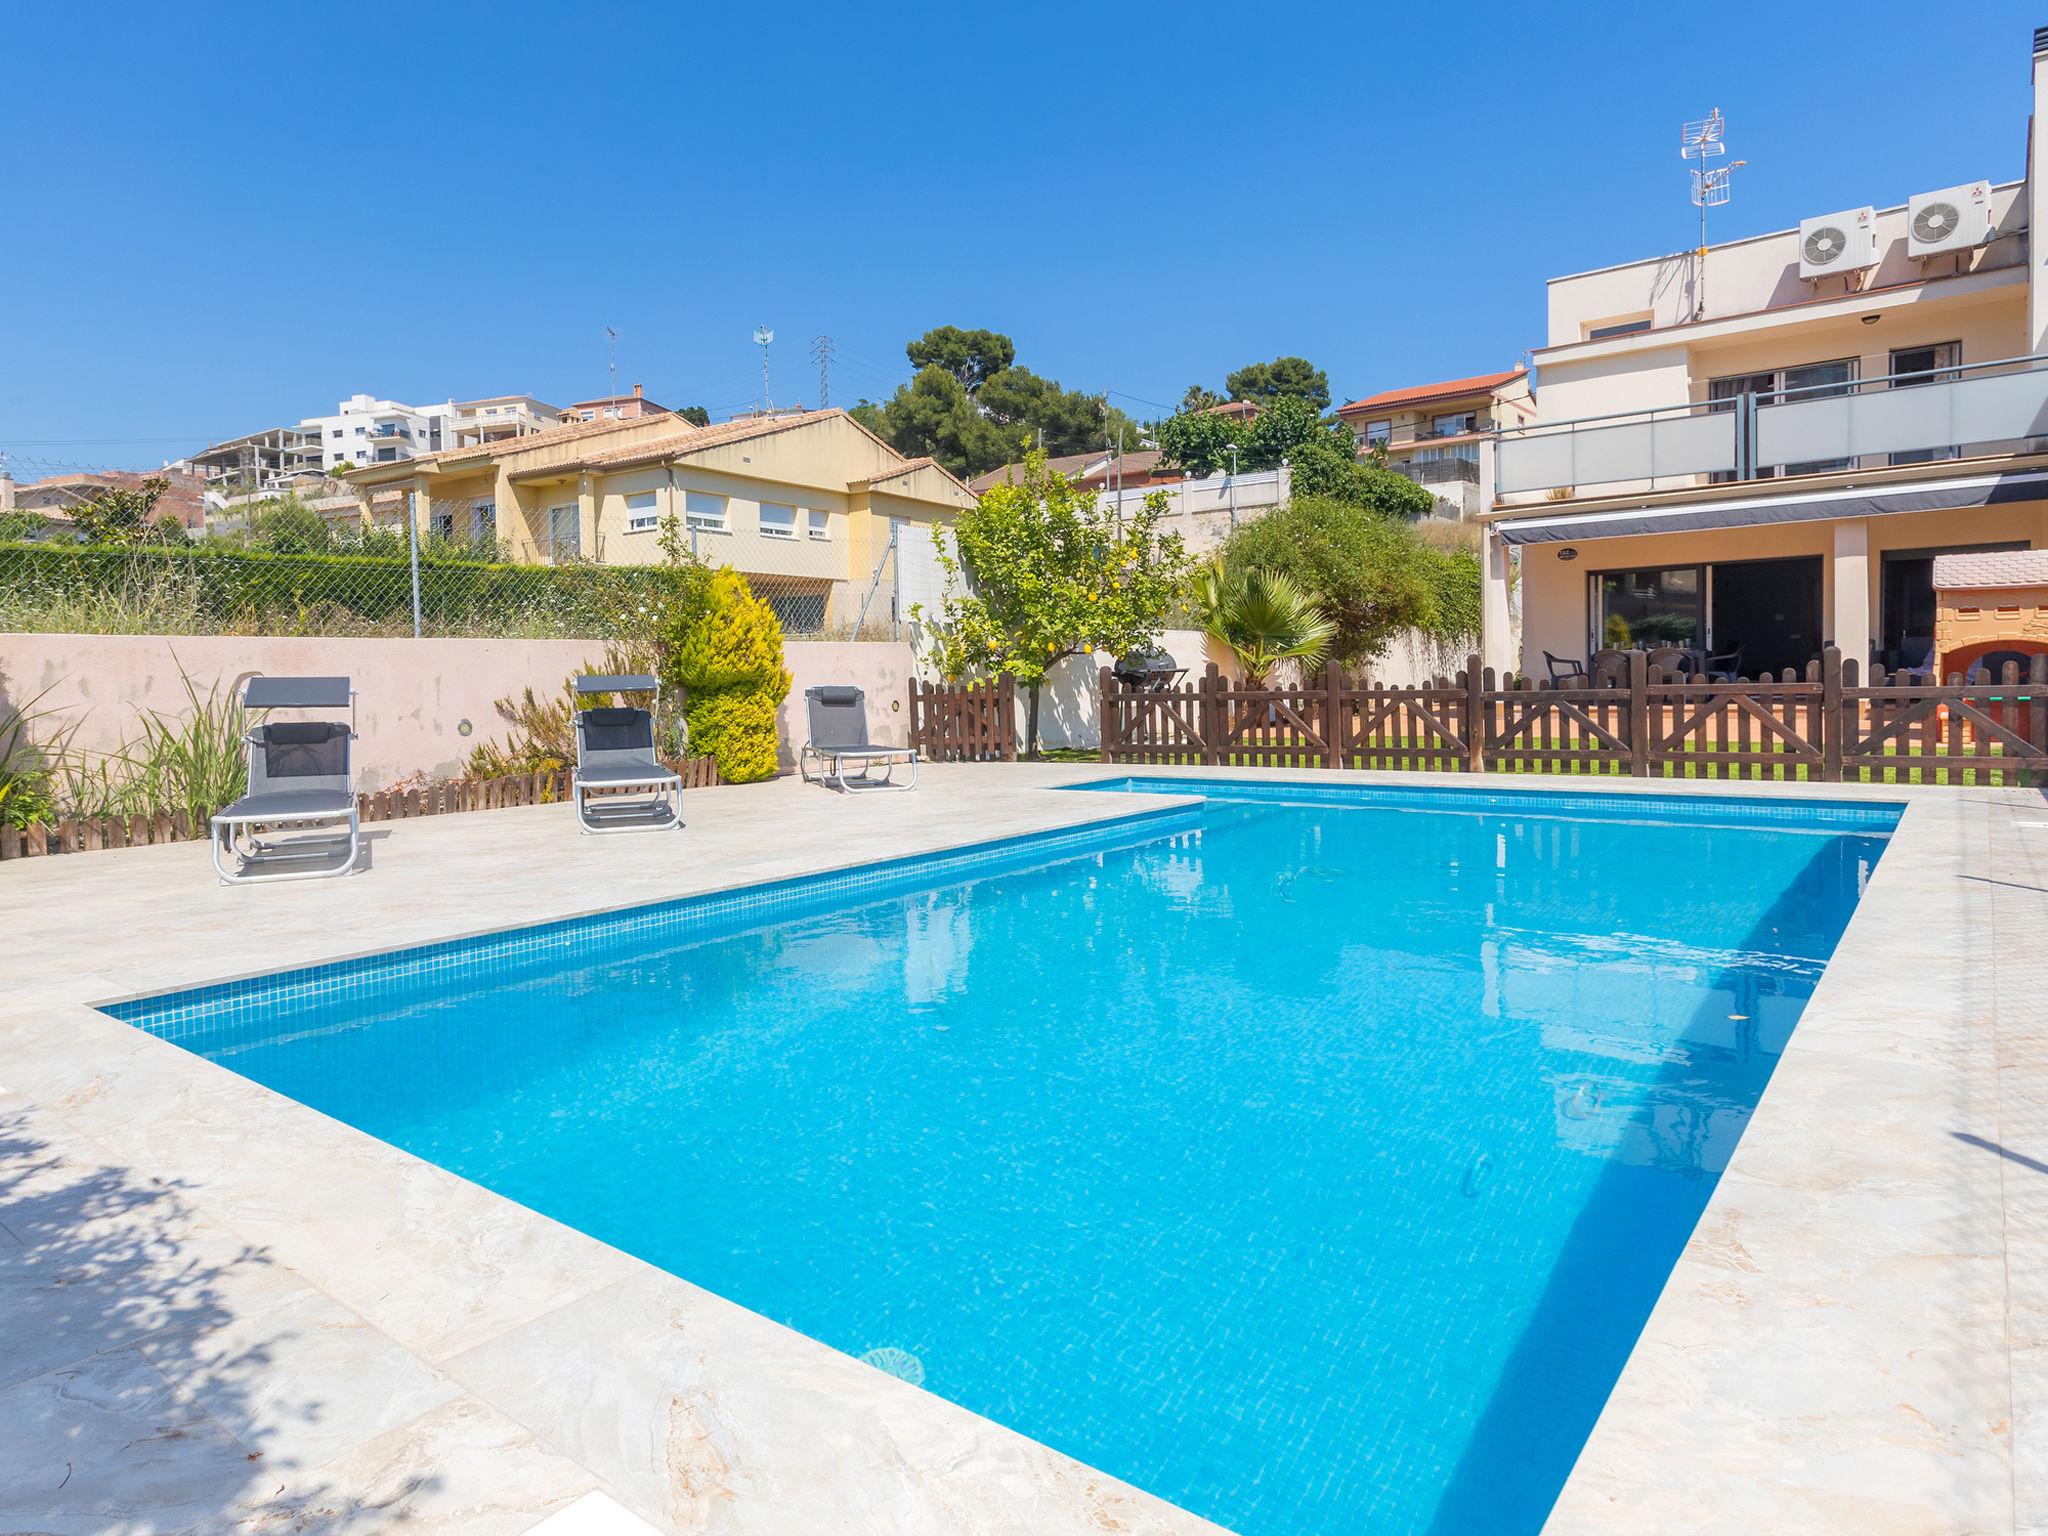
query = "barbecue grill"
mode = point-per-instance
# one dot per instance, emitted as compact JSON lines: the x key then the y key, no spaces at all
{"x":1149,"y":668}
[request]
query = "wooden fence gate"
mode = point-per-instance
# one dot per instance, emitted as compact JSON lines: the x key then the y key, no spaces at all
{"x":965,"y":722}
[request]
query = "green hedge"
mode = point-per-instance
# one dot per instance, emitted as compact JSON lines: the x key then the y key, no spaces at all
{"x":176,"y":590}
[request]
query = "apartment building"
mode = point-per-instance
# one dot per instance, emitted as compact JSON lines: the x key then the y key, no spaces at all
{"x":1753,"y":455}
{"x":613,"y":408}
{"x":470,"y":422}
{"x":365,"y":430}
{"x":362,"y":429}
{"x":828,"y":522}
{"x":1441,"y":435}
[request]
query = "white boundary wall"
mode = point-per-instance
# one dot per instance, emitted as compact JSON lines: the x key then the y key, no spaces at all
{"x":413,"y":696}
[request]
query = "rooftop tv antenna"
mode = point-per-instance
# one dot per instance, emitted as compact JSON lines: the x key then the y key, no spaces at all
{"x":762,"y":337}
{"x":1705,"y":141}
{"x":614,"y":337}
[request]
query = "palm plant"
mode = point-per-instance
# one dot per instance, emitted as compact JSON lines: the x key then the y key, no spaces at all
{"x":1264,"y":618}
{"x":24,"y":767}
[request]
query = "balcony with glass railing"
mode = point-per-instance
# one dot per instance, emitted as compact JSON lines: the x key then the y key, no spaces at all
{"x":1973,"y":410}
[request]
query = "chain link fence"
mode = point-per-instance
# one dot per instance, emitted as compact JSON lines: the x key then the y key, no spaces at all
{"x":86,"y":550}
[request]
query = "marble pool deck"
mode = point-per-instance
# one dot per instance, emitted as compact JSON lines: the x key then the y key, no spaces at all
{"x":221,"y":1311}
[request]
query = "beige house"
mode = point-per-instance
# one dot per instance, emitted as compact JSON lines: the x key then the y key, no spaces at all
{"x":1760,"y":454}
{"x":1441,"y":435}
{"x":827,"y":520}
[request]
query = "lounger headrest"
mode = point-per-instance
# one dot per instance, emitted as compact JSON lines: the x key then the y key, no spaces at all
{"x":616,"y":682}
{"x":296,"y":692}
{"x":835,"y":693}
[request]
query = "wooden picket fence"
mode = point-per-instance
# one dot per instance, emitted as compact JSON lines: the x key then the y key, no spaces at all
{"x":1823,"y":724}
{"x":90,"y":834}
{"x":964,"y":722}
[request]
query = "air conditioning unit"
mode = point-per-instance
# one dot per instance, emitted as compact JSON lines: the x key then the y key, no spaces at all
{"x":1953,"y":219}
{"x":1838,"y":242}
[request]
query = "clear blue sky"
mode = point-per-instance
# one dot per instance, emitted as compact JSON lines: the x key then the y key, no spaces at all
{"x":222,"y":218}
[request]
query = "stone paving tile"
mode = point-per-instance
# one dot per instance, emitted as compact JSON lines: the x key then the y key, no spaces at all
{"x":1794,"y":1378}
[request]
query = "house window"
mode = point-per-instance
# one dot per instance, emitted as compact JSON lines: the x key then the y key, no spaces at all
{"x":821,"y":523}
{"x":704,"y":511}
{"x":483,"y":521}
{"x":1469,"y":452}
{"x":1932,"y":364}
{"x":642,"y":515}
{"x":777,"y":520}
{"x":1811,"y":381}
{"x":1648,"y":609}
{"x":565,"y":533}
{"x":444,"y":526}
{"x":1454,"y":423}
{"x":1377,"y":433}
{"x":1607,"y":328}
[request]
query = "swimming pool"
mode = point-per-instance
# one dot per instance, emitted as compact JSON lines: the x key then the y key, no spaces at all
{"x":1311,"y":1158}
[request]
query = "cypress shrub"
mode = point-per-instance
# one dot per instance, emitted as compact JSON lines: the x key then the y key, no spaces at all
{"x":728,"y":655}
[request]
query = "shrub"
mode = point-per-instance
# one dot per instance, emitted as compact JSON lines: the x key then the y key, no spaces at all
{"x":1370,"y":574}
{"x":728,"y":654}
{"x":737,"y":727}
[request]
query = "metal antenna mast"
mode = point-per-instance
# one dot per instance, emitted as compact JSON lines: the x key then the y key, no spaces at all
{"x":821,"y":349}
{"x":1705,"y":140}
{"x":762,"y":337}
{"x":614,"y":336}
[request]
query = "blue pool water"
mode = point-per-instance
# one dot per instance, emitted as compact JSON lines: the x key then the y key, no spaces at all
{"x":1311,"y":1158}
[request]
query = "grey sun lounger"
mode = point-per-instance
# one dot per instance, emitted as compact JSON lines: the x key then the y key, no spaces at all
{"x":300,"y":780}
{"x":615,"y":755}
{"x":839,"y":736}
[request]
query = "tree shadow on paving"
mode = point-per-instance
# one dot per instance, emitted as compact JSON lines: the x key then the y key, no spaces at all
{"x":137,"y":1389}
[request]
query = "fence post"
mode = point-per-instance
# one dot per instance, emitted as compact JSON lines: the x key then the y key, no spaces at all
{"x":1638,"y":714}
{"x":1836,"y":723}
{"x":1006,"y":716}
{"x":1831,"y":716}
{"x":1211,"y":716}
{"x":412,"y":545}
{"x":1333,"y":716}
{"x":1477,"y":680}
{"x":1104,"y":711}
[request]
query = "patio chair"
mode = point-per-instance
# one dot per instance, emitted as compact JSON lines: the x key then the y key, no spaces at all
{"x":300,"y":780}
{"x":615,"y":756}
{"x":1674,"y":661}
{"x":1565,"y":669}
{"x":838,"y":720}
{"x":1726,"y":667}
{"x":1610,"y":669}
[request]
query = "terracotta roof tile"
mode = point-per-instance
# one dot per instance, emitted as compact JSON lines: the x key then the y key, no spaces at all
{"x":1391,"y":399}
{"x":696,"y":439}
{"x":573,"y":432}
{"x":908,"y":466}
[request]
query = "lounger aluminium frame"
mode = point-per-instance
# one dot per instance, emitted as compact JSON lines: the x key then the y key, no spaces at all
{"x":615,"y":755}
{"x":301,"y":781}
{"x":838,"y":720}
